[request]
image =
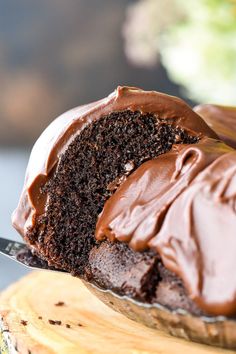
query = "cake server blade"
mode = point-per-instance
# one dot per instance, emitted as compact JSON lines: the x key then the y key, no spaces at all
{"x":14,"y":249}
{"x":11,"y":248}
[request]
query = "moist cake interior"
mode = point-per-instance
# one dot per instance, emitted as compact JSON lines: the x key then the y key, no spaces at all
{"x":87,"y":174}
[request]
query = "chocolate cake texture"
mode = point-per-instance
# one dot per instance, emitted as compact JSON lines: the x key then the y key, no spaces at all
{"x":130,"y":193}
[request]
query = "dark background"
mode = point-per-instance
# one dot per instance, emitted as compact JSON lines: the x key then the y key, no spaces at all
{"x":57,"y":54}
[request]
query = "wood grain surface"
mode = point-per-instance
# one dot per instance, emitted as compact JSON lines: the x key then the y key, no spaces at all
{"x":31,"y":308}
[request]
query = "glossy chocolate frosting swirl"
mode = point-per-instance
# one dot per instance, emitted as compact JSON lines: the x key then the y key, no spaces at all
{"x":182,"y":204}
{"x":200,"y":248}
{"x":61,"y":132}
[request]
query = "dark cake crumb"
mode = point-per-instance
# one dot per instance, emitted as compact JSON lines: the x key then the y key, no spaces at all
{"x":60,"y":303}
{"x":40,"y":317}
{"x":116,"y":267}
{"x":24,"y":323}
{"x":53,"y":322}
{"x":68,"y":326}
{"x":80,"y":325}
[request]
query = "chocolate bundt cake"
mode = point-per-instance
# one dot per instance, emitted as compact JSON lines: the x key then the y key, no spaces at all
{"x":102,"y":181}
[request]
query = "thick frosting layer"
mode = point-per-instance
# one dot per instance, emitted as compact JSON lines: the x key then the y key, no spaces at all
{"x":221,"y":119}
{"x":182,"y":204}
{"x":60,"y":133}
{"x":201,"y":248}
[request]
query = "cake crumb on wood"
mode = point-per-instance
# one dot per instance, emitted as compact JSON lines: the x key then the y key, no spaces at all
{"x":60,"y":303}
{"x":56,"y":323}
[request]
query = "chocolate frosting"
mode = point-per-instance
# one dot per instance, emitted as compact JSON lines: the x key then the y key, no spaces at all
{"x":60,"y":133}
{"x":182,"y":204}
{"x":201,"y":248}
{"x":221,"y":119}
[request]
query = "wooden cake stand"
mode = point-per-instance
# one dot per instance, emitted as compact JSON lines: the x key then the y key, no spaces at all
{"x":48,"y":312}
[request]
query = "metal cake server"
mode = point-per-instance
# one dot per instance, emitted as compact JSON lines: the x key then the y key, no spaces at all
{"x":13,"y":250}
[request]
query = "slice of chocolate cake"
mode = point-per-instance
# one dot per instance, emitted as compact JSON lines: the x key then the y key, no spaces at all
{"x":79,"y":162}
